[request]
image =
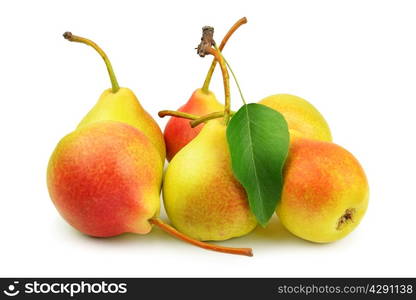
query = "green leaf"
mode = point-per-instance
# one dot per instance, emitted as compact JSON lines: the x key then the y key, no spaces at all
{"x":258,"y":139}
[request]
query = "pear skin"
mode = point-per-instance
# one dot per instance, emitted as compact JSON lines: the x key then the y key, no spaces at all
{"x":201,"y":195}
{"x":104,"y":178}
{"x":177,"y":132}
{"x":300,"y":115}
{"x":123,"y":106}
{"x":325,"y":192}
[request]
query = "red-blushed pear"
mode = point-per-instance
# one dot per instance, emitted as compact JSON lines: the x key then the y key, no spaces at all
{"x":177,"y":132}
{"x":120,"y":104}
{"x":105,"y":178}
{"x":325,"y":192}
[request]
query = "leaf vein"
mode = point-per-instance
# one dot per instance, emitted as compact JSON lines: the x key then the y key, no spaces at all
{"x":252,"y":154}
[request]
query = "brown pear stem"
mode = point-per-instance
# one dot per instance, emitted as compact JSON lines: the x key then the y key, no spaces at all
{"x":180,"y":114}
{"x":73,"y":38}
{"x":204,"y":48}
{"x":224,"y":41}
{"x":172,"y":231}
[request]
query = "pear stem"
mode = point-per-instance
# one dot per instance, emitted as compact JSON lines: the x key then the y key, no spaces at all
{"x":172,"y":231}
{"x":211,"y":116}
{"x":73,"y":38}
{"x":224,"y":41}
{"x":180,"y":114}
{"x":196,"y":120}
{"x":226,"y":80}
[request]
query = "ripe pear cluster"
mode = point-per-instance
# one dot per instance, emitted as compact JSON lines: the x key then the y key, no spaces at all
{"x":105,"y":177}
{"x":325,"y":192}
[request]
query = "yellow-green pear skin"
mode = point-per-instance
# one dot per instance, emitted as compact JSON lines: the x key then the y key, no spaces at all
{"x":202,"y":197}
{"x":123,"y":106}
{"x":301,"y":116}
{"x":325,"y":191}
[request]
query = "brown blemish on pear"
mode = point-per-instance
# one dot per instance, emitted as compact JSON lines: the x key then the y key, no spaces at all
{"x":346,"y":218}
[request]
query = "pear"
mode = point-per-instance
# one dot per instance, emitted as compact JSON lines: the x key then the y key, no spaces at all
{"x":104,"y":178}
{"x":301,"y":116}
{"x":325,"y":191}
{"x":121,"y":104}
{"x":177,"y":132}
{"x":202,"y":197}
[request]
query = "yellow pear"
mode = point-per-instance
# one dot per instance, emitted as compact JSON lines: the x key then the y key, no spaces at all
{"x":120,"y":104}
{"x":202,"y":197}
{"x":123,"y":106}
{"x":301,"y":116}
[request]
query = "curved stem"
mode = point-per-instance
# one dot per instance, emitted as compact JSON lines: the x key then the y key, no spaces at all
{"x":180,"y":114}
{"x":172,"y":231}
{"x":73,"y":38}
{"x":224,"y":41}
{"x":226,"y":79}
{"x":214,"y":115}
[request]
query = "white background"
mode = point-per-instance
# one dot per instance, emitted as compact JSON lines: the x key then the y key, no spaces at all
{"x":354,"y":60}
